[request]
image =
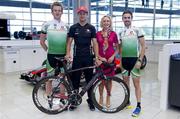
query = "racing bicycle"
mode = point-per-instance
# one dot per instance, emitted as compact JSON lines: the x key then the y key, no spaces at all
{"x":62,"y":99}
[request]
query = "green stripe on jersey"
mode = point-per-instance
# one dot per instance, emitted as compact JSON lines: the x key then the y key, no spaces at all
{"x":56,"y":41}
{"x":130,"y":46}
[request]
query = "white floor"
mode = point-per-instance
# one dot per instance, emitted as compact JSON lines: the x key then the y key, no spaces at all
{"x":16,"y":101}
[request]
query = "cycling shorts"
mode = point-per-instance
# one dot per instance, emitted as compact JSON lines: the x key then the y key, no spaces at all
{"x":52,"y":62}
{"x":128,"y":65}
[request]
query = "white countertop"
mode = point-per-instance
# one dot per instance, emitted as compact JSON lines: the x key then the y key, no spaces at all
{"x":19,"y":43}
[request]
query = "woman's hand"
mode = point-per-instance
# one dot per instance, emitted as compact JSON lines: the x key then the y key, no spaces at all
{"x":98,"y":62}
{"x":103,"y":59}
{"x":111,"y":59}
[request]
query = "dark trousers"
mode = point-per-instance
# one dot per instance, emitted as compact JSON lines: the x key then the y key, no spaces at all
{"x":79,"y":62}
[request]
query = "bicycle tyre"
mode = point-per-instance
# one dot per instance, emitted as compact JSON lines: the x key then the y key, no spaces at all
{"x":41,"y":102}
{"x":124,"y":90}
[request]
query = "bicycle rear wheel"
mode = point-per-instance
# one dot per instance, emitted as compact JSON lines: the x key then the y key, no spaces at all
{"x":119,"y":95}
{"x":54,"y":102}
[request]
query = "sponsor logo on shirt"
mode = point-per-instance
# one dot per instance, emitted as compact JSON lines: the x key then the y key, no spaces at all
{"x":88,"y":31}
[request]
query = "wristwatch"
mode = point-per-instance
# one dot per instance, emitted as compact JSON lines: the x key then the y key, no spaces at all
{"x":97,"y":57}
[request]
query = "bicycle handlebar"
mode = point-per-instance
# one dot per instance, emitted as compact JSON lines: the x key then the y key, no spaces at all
{"x":106,"y":65}
{"x":103,"y":66}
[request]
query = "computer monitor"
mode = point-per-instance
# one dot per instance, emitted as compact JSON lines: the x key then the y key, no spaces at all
{"x":4,"y":31}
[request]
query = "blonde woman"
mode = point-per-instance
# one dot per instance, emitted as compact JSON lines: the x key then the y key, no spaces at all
{"x":108,"y":48}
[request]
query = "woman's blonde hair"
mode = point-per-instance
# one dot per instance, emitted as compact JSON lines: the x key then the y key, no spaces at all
{"x":101,"y":23}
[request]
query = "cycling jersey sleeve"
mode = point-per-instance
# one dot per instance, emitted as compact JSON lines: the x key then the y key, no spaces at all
{"x":44,"y":28}
{"x":140,"y":33}
{"x":120,"y":37}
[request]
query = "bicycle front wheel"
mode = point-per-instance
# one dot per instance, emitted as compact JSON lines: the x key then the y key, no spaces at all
{"x":110,"y":95}
{"x":50,"y":95}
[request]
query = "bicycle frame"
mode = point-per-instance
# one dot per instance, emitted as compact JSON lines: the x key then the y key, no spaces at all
{"x":90,"y":83}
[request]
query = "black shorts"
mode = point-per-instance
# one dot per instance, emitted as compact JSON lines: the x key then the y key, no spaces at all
{"x":129,"y":62}
{"x":53,"y":62}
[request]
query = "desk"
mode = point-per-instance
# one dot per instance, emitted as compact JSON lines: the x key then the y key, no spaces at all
{"x":20,"y":55}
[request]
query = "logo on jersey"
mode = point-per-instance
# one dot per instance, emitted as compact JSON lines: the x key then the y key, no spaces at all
{"x":88,"y":31}
{"x":131,"y":33}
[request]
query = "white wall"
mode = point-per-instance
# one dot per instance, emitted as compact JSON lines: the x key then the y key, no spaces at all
{"x":153,"y":48}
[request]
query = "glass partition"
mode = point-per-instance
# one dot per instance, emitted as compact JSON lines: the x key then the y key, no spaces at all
{"x":166,"y":18}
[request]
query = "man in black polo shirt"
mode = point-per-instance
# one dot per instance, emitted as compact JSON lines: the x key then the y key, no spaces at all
{"x":83,"y":34}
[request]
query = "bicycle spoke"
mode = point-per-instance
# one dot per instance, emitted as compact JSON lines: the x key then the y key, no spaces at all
{"x":114,"y":98}
{"x":50,"y":102}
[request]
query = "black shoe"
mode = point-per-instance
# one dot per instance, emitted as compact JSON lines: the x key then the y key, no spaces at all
{"x":50,"y":102}
{"x":90,"y":104}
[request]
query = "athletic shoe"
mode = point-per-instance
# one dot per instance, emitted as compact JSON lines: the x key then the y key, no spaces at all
{"x":136,"y":112}
{"x":49,"y":102}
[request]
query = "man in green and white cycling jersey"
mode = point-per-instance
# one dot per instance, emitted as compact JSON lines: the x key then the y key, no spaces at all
{"x":55,"y":31}
{"x":132,"y":50}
